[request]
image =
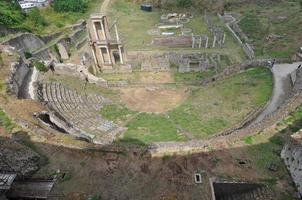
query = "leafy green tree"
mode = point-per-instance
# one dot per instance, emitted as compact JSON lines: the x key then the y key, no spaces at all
{"x":10,"y":14}
{"x":70,"y":5}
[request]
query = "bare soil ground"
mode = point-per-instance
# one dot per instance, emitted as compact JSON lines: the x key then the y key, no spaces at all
{"x":153,"y":99}
{"x":156,"y":77}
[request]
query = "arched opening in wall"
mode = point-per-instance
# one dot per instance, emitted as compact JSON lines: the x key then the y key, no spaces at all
{"x":116,"y":56}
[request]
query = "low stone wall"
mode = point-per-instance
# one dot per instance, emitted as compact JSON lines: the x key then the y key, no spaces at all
{"x":234,"y":69}
{"x":232,"y":25}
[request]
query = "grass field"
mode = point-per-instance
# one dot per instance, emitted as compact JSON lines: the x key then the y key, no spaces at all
{"x":214,"y":108}
{"x":282,"y":19}
{"x":134,"y":24}
{"x":207,"y":111}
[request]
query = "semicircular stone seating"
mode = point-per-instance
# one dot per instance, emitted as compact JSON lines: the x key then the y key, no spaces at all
{"x":81,"y":112}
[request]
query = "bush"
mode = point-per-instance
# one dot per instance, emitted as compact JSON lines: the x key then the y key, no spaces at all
{"x":70,"y":5}
{"x":27,"y":55}
{"x":40,"y":66}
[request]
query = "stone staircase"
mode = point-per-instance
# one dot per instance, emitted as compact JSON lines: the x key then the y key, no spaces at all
{"x":81,"y":112}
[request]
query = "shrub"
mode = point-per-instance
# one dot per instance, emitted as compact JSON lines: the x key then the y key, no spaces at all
{"x":27,"y":55}
{"x":70,"y":5}
{"x":40,"y":66}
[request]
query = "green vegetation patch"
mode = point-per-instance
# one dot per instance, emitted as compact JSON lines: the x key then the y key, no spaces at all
{"x":6,"y":122}
{"x":148,"y":128}
{"x":192,"y":77}
{"x":70,"y":5}
{"x":116,"y":113}
{"x":133,"y":24}
{"x":274,"y":27}
{"x":212,"y":109}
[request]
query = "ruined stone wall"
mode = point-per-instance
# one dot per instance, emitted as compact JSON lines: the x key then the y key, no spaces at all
{"x":17,"y":77}
{"x":25,"y":42}
{"x":292,"y":157}
{"x":17,"y":158}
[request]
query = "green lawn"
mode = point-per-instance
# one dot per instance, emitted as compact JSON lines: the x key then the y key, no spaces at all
{"x":116,"y":113}
{"x":133,"y":24}
{"x":282,"y":18}
{"x":152,"y":128}
{"x":212,"y":109}
{"x":207,"y":111}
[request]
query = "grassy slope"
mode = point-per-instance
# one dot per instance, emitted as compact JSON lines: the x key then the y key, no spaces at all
{"x":206,"y":112}
{"x":212,"y":109}
{"x":264,"y":21}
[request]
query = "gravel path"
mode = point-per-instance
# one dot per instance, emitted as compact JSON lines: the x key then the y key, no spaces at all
{"x":282,"y":88}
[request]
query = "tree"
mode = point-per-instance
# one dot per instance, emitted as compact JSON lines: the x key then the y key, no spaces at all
{"x":10,"y":14}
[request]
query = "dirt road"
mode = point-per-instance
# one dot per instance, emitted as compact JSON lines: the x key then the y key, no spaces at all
{"x":105,"y":6}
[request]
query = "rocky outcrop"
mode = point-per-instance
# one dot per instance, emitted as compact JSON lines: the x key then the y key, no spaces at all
{"x":26,"y":42}
{"x":17,"y":158}
{"x":292,"y":157}
{"x":17,"y":78}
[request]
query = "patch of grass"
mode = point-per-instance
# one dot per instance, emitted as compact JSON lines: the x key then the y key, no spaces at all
{"x":95,"y":197}
{"x":212,"y":109}
{"x":152,"y":128}
{"x":248,"y":140}
{"x":191,"y":77}
{"x":166,"y":157}
{"x":67,"y":177}
{"x":277,"y":140}
{"x":6,"y":122}
{"x":281,"y":18}
{"x":116,"y":113}
{"x":133,"y":23}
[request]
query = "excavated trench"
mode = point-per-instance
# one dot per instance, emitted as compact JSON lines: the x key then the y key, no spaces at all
{"x":242,"y":191}
{"x":44,"y":117}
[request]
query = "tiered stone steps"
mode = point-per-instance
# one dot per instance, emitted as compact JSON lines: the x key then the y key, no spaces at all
{"x":81,"y":112}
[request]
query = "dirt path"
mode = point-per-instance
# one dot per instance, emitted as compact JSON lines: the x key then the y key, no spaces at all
{"x":104,"y":7}
{"x":282,"y":88}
